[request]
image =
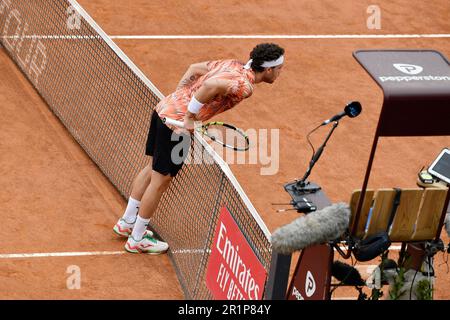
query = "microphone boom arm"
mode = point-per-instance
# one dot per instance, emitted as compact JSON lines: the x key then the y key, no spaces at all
{"x":302,"y":182}
{"x":298,"y":189}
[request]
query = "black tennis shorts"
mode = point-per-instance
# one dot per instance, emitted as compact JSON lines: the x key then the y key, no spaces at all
{"x":168,"y":149}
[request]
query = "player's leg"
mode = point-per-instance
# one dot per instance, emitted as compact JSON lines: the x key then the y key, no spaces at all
{"x":125,"y":224}
{"x":165,"y":166}
{"x":142,"y":181}
{"x":139,"y":241}
{"x":153,"y":194}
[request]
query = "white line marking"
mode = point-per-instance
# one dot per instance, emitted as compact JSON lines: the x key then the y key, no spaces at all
{"x":59,"y":254}
{"x":232,"y":36}
{"x":189,"y":251}
{"x":91,"y":253}
{"x":51,"y":37}
{"x":393,"y":248}
{"x":366,"y":268}
{"x":268,"y":36}
{"x":104,"y":253}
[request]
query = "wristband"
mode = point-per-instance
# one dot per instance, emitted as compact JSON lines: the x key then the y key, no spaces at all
{"x":194,"y":105}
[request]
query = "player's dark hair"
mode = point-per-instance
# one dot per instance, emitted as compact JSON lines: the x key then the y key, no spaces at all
{"x":264,"y":52}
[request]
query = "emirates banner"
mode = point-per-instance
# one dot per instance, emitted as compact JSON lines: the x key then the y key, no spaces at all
{"x":234,"y":271}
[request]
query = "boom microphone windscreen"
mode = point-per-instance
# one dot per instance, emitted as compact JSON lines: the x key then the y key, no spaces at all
{"x":314,"y":228}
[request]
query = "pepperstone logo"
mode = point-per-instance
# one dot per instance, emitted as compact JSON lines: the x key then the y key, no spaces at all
{"x":408,"y":68}
{"x":413,"y":72}
{"x":310,"y":284}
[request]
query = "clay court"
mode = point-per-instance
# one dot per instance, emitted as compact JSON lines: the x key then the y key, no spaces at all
{"x":59,"y":209}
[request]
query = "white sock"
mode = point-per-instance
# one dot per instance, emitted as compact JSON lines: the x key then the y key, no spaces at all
{"x":139,"y":228}
{"x":131,"y":211}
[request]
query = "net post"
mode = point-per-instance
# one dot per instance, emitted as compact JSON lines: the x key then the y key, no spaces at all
{"x":277,"y":281}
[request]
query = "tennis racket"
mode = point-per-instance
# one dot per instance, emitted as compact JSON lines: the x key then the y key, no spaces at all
{"x":222,"y":133}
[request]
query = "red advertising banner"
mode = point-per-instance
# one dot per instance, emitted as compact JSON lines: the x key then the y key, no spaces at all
{"x":234,"y":271}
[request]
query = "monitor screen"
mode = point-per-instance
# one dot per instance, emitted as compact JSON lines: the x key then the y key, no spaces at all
{"x":441,"y":166}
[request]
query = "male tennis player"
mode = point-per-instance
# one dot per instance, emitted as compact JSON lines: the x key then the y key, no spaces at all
{"x":206,"y":89}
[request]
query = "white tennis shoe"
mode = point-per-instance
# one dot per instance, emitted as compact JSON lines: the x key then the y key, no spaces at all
{"x":124,"y":229}
{"x":147,"y":244}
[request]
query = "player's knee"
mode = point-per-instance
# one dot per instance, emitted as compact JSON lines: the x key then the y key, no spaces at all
{"x":148,"y":171}
{"x":164,"y":183}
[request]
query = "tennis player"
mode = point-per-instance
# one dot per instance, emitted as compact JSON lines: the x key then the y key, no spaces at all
{"x":206,"y":89}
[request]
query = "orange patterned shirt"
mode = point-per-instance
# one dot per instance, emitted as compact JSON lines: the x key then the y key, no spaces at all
{"x":240,"y":86}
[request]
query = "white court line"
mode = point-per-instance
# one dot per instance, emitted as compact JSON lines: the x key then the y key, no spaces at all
{"x":189,"y":251}
{"x":59,"y":254}
{"x":81,"y":254}
{"x":393,"y":248}
{"x":106,"y":253}
{"x":51,"y":37}
{"x":366,"y":268}
{"x":235,"y":36}
{"x":268,"y":36}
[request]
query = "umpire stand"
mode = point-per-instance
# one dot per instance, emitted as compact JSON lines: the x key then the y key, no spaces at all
{"x":415,"y":84}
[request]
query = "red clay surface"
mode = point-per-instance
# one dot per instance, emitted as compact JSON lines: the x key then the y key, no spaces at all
{"x":55,"y":199}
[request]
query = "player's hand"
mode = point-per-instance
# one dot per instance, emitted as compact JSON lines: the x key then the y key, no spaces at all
{"x":189,"y":124}
{"x":180,"y":131}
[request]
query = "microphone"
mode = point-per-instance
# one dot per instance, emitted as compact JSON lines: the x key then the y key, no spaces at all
{"x":352,"y":110}
{"x":314,"y":228}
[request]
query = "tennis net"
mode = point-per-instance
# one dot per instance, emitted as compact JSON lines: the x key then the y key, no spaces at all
{"x":106,"y":103}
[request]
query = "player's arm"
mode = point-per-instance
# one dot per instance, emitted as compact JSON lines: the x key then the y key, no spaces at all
{"x":193,"y":72}
{"x":206,"y":93}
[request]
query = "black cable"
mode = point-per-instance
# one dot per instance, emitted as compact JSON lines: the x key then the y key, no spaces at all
{"x":430,"y":265}
{"x":433,"y":272}
{"x":412,"y":284}
{"x":309,"y":141}
{"x":445,"y":258}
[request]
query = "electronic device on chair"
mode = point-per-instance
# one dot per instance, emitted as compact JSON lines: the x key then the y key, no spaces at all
{"x":440,"y":168}
{"x":425,"y":177}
